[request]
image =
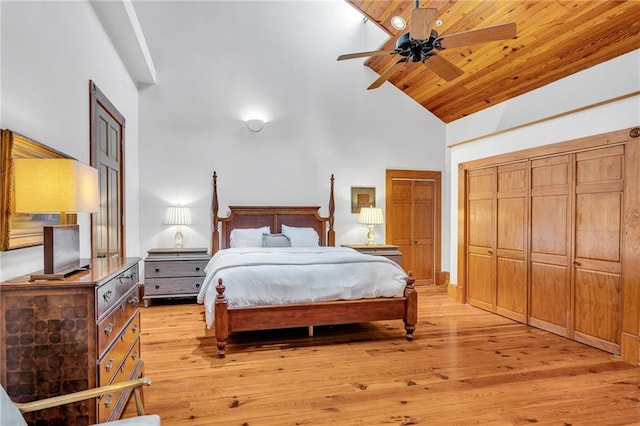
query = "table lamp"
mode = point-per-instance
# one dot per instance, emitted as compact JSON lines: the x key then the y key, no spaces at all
{"x":56,"y":185}
{"x":371,"y":216}
{"x":178,"y":215}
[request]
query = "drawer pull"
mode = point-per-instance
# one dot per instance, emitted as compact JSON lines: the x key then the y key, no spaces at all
{"x":107,"y":295}
{"x":109,"y":365}
{"x":134,"y":355}
{"x":134,"y":328}
{"x":197,"y":269}
{"x":122,"y":336}
{"x":108,"y":329}
{"x":109,"y":400}
{"x":157,"y":269}
{"x":157,"y":287}
{"x":134,"y":301}
{"x":123,"y":306}
{"x":197,"y":285}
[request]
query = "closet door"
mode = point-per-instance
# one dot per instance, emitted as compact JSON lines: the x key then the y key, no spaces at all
{"x":481,"y":230}
{"x":598,"y":238}
{"x":550,"y":280}
{"x":511,"y":241}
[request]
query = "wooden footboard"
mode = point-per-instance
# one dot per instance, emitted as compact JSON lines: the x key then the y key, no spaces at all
{"x":265,"y":317}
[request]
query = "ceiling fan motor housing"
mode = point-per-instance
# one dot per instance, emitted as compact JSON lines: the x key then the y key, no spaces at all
{"x":418,"y":50}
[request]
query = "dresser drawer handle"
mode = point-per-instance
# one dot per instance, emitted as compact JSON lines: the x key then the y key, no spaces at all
{"x":197,"y":269}
{"x":134,"y":355}
{"x":108,"y":329}
{"x":123,"y":306}
{"x":107,"y":295}
{"x":123,"y":337}
{"x":109,"y":400}
{"x":157,"y":269}
{"x":107,"y":367}
{"x":134,"y":301}
{"x":157,"y":287}
{"x":197,"y":285}
{"x":134,"y":329}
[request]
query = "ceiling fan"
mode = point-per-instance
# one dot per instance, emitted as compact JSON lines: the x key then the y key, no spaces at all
{"x":422,"y":42}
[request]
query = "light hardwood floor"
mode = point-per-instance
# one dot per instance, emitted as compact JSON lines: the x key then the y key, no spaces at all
{"x":465,"y":366}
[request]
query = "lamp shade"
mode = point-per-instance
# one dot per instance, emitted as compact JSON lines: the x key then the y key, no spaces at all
{"x":55,"y":185}
{"x":177,"y":215}
{"x":371,"y":216}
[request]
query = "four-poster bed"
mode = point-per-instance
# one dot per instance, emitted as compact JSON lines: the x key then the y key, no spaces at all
{"x":226,"y":318}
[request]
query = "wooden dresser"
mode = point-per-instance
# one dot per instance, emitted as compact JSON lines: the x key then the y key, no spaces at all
{"x":69,"y":335}
{"x":174,"y":272}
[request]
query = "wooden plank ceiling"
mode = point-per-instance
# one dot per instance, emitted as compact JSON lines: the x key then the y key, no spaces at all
{"x":554,"y":39}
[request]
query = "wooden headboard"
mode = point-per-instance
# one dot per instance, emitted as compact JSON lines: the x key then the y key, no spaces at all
{"x":273,"y":216}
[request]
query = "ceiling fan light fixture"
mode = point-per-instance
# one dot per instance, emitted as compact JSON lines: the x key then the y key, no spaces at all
{"x":398,"y":22}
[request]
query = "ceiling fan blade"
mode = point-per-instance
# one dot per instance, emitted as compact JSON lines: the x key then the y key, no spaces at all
{"x":496,"y":32}
{"x":421,"y":23}
{"x":443,"y":67}
{"x":386,"y":74}
{"x":365,"y":54}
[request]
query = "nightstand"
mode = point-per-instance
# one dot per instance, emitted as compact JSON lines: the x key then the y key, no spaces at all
{"x":387,"y":250}
{"x":174,"y":272}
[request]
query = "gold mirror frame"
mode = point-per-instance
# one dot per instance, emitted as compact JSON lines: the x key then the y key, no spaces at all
{"x":19,"y":230}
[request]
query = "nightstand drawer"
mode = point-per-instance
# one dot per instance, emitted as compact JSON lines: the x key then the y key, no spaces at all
{"x":175,"y":286}
{"x":175,"y":268}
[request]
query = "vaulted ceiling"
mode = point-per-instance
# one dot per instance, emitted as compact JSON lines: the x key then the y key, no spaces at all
{"x":554,"y":40}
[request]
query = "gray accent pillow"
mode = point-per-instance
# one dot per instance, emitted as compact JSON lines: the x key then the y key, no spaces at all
{"x":275,"y":240}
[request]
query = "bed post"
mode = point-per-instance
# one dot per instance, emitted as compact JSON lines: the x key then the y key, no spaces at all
{"x":221,"y":325}
{"x":331,"y":234}
{"x":215,"y":236}
{"x":411,"y":307}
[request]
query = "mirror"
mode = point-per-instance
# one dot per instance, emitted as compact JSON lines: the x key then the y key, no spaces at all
{"x":19,"y":230}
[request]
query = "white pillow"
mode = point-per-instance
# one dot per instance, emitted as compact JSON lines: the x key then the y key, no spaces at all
{"x":301,"y":237}
{"x":248,"y":237}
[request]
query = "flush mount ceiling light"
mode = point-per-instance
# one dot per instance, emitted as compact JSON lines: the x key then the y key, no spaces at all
{"x":255,"y":125}
{"x":398,"y":23}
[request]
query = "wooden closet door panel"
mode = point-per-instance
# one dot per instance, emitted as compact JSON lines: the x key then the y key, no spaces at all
{"x":481,"y":231}
{"x":598,"y":304}
{"x":598,"y":253}
{"x":423,"y":230}
{"x":550,"y":276}
{"x":400,"y":214}
{"x":482,"y":288}
{"x":511,"y":288}
{"x":511,"y":241}
{"x":550,"y":304}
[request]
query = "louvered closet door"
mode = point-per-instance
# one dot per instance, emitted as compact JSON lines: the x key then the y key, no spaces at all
{"x":481,"y":199}
{"x":550,"y":283}
{"x":511,"y":241}
{"x":598,"y":238}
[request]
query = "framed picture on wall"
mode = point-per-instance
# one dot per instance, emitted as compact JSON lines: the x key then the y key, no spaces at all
{"x":362,"y":197}
{"x":18,"y":230}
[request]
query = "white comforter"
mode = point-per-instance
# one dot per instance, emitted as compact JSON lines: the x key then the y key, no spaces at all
{"x":268,"y":276}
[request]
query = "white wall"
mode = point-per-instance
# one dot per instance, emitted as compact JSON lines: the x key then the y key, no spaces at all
{"x":615,"y":78}
{"x":49,"y":51}
{"x":320,"y":117}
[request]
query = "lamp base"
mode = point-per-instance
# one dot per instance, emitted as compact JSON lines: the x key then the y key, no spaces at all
{"x":371,"y":236}
{"x":179,"y":239}
{"x":59,"y":275}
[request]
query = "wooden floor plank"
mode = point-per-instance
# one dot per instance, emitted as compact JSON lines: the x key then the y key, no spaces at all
{"x":465,"y":366}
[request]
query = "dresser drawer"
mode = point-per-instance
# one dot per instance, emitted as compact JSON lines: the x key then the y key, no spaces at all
{"x":110,"y":292}
{"x":109,"y":328}
{"x":174,"y":268}
{"x":110,"y":364}
{"x":111,"y":403}
{"x":167,"y":286}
